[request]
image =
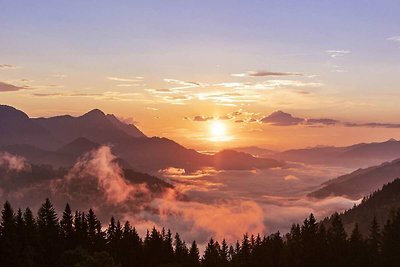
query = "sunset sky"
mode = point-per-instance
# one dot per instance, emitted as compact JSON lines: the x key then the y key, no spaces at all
{"x":208,"y":74}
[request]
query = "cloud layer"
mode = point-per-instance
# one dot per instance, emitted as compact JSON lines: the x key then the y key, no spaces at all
{"x":7,"y":87}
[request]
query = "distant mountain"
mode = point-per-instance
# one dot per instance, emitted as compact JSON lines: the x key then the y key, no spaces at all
{"x":40,"y":156}
{"x":153,"y":154}
{"x":234,"y":160}
{"x":360,"y":182}
{"x":60,"y":140}
{"x":379,"y":204}
{"x":359,"y":155}
{"x":256,"y":151}
{"x":78,"y":147}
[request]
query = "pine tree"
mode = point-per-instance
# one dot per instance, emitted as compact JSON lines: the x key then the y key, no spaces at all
{"x":245,"y":251}
{"x":181,"y":250}
{"x":67,"y":228}
{"x":48,"y":234}
{"x":374,"y":243}
{"x":194,"y":256}
{"x":95,"y":237}
{"x":337,"y":242}
{"x":168,"y":249}
{"x":31,"y":236}
{"x":391,"y":241}
{"x":357,"y":249}
{"x":211,"y":255}
{"x":224,"y":253}
{"x":8,"y":237}
{"x":310,"y":242}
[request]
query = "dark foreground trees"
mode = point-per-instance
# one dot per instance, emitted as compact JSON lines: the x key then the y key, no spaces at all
{"x":79,"y":240}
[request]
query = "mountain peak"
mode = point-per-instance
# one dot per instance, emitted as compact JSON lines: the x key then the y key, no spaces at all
{"x":11,"y":113}
{"x":94,"y":113}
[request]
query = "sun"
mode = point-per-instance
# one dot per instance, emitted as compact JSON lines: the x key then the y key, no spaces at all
{"x":217,"y":128}
{"x":218,"y":131}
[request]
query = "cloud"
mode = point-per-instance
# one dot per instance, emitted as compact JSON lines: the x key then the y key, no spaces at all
{"x":280,"y":118}
{"x":184,"y":84}
{"x":394,"y":38}
{"x":290,"y":177}
{"x":373,"y":125}
{"x":265,"y":74}
{"x":322,"y":121}
{"x":13,"y":162}
{"x":109,"y":95}
{"x":217,"y":203}
{"x":6,"y":87}
{"x":199,"y":118}
{"x":7,"y":66}
{"x":268,"y":85}
{"x":239,"y":116}
{"x":119,"y":79}
{"x":337,"y":53}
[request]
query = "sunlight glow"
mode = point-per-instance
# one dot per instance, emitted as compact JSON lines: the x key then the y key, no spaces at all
{"x":218,"y":132}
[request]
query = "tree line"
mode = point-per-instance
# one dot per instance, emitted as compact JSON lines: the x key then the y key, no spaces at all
{"x":78,"y":239}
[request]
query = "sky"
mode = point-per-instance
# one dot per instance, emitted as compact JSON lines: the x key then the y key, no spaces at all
{"x":210,"y":74}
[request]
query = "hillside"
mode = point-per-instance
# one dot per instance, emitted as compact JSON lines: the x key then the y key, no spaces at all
{"x":379,"y":204}
{"x":360,"y":182}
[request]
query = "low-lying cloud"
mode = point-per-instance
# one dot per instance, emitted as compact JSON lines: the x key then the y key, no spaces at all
{"x":13,"y":163}
{"x":222,"y":204}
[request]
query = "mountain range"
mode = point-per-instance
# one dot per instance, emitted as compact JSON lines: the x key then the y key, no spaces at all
{"x":361,"y":182}
{"x":359,"y":155}
{"x":60,"y":140}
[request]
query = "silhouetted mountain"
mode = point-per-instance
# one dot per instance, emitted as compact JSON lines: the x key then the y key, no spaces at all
{"x":234,"y":160}
{"x":360,"y":182}
{"x":129,"y":129}
{"x":256,"y":151}
{"x":60,"y":140}
{"x":36,"y":174}
{"x":380,"y":204}
{"x":152,"y":154}
{"x":17,"y":128}
{"x":40,"y":156}
{"x":359,"y":155}
{"x":78,"y":147}
{"x":94,"y":125}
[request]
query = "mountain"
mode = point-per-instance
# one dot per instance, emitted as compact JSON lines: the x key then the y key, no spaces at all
{"x":379,"y":204}
{"x":78,"y":147}
{"x":17,"y":128}
{"x":153,"y":154}
{"x":359,"y":155}
{"x":60,"y":140}
{"x":360,"y":182}
{"x":94,"y":125}
{"x":129,"y":129}
{"x":235,"y":160}
{"x":32,"y":178}
{"x":256,"y":151}
{"x":40,"y":156}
